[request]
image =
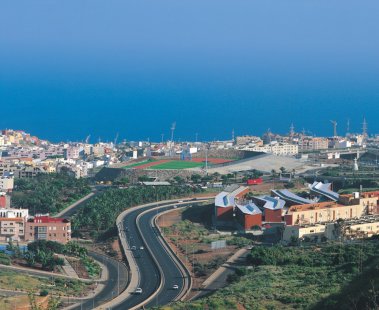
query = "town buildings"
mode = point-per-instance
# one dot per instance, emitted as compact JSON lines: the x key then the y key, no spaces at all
{"x":325,"y":215}
{"x":313,"y":143}
{"x":44,"y":227}
{"x":6,"y":183}
{"x":18,"y":225}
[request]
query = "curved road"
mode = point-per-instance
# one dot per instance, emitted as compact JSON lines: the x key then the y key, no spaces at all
{"x":116,"y":282}
{"x":117,"y":272}
{"x":153,"y":258}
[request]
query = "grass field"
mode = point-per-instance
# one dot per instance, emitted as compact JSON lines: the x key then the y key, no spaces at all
{"x":177,"y":164}
{"x":11,"y":280}
{"x":20,"y":302}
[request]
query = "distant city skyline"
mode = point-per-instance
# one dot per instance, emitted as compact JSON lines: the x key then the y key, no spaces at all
{"x":196,"y":136}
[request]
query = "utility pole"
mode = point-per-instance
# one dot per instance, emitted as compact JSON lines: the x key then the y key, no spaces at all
{"x":118,"y":278}
{"x":173,"y":127}
{"x":292,"y":131}
{"x":364,"y":129}
{"x":206,"y":159}
{"x":334,"y":128}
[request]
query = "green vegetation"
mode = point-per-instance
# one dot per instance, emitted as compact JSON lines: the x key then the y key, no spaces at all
{"x":48,"y":193}
{"x":13,"y":280}
{"x":333,"y":276}
{"x":53,"y":302}
{"x":99,"y":214}
{"x":43,"y":252}
{"x":91,"y":266}
{"x":178,"y":164}
{"x":4,"y":259}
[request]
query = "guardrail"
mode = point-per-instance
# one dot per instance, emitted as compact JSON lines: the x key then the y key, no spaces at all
{"x":183,"y":268}
{"x":134,"y":278}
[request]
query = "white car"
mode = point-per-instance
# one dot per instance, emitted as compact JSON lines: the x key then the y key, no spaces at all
{"x":180,"y":200}
{"x":141,"y":247}
{"x":133,"y":248}
{"x":175,"y":287}
{"x":138,"y":290}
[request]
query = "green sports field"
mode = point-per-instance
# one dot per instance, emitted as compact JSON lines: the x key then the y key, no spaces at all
{"x":138,"y":164}
{"x":177,"y":164}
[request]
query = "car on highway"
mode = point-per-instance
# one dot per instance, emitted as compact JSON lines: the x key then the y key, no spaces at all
{"x":180,"y":201}
{"x":175,"y":287}
{"x":175,"y":207}
{"x":138,"y":290}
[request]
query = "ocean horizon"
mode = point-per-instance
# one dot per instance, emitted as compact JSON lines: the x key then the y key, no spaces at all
{"x":89,"y":67}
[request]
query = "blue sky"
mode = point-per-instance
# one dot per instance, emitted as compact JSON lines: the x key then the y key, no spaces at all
{"x":70,"y":68}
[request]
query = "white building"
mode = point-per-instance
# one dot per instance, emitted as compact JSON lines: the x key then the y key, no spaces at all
{"x":280,"y":149}
{"x":6,"y":183}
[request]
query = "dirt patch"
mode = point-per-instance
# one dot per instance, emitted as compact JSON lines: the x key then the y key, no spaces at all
{"x":78,"y":266}
{"x":266,"y":187}
{"x":117,"y":249}
{"x":190,"y":244}
{"x":22,"y":302}
{"x":169,"y":219}
{"x":212,"y":160}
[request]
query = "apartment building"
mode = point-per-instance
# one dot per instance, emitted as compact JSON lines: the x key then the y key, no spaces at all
{"x":6,"y":184}
{"x":313,"y":143}
{"x":12,"y":224}
{"x":44,"y":227}
{"x":279,"y":149}
{"x":364,"y":227}
{"x":322,"y":212}
{"x":11,"y":229}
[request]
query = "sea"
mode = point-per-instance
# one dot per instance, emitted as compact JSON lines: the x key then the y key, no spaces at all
{"x":134,"y":68}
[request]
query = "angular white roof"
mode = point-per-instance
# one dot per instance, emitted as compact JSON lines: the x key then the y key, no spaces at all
{"x":324,"y":189}
{"x":272,"y":203}
{"x":226,"y":199}
{"x":287,"y":195}
{"x":249,"y":208}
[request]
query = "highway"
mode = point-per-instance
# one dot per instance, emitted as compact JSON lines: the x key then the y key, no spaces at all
{"x":158,"y":269}
{"x":116,"y":282}
{"x":117,"y":272}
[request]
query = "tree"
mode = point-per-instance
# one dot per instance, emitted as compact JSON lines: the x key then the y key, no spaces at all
{"x":273,"y":174}
{"x":143,"y":178}
{"x":196,"y":178}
